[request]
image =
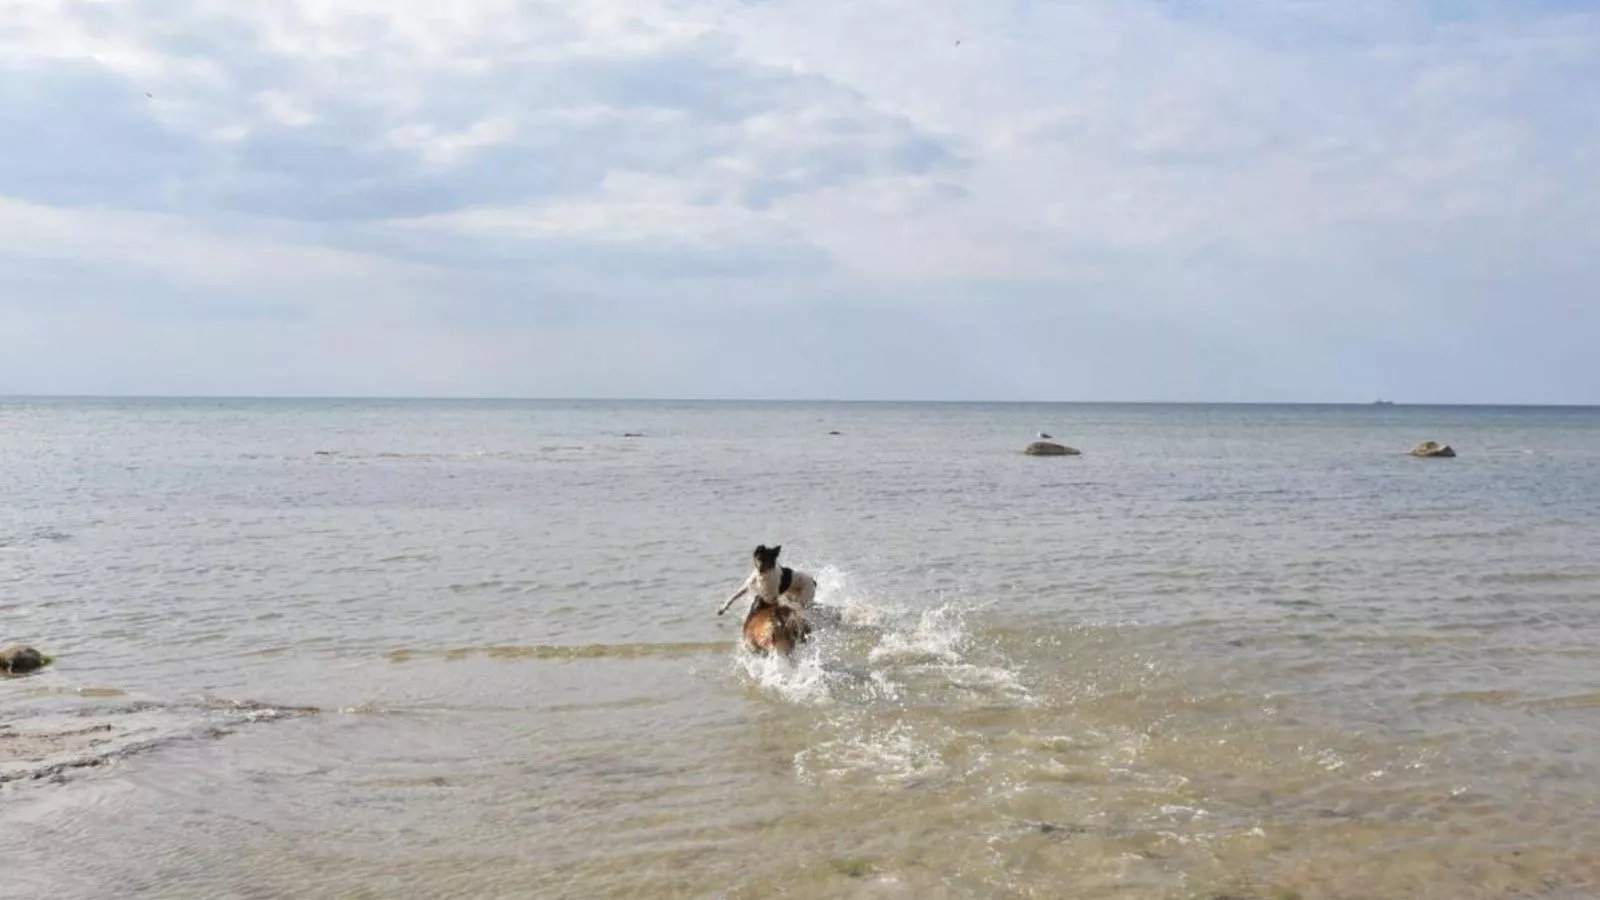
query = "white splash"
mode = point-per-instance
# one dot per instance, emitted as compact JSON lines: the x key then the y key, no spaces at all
{"x":801,"y":679}
{"x":938,"y":636}
{"x":873,"y":665}
{"x":893,"y":755}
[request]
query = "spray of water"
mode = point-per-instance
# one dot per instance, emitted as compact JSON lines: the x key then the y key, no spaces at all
{"x":869,"y":648}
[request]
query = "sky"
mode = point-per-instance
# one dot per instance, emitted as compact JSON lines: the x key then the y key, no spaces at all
{"x":1178,"y":200}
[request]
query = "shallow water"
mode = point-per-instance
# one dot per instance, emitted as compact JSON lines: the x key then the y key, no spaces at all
{"x":1249,"y":652}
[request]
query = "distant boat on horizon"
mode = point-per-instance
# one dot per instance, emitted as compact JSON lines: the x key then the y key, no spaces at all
{"x":1383,"y":403}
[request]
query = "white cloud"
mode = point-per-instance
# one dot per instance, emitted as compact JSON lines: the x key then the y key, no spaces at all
{"x":187,"y":257}
{"x":1269,"y":182}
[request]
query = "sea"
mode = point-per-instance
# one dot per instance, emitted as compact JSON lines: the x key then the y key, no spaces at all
{"x":469,"y":649}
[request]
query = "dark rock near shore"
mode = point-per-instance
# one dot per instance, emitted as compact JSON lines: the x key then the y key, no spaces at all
{"x":1433,"y":450}
{"x":1049,"y":448}
{"x":20,"y":660}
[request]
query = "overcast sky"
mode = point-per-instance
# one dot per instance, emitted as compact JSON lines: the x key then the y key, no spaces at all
{"x":1257,"y":200}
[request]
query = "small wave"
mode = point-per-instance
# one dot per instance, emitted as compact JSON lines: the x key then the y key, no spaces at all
{"x":888,"y":756}
{"x":36,"y":536}
{"x":1489,"y":697}
{"x":256,"y":711}
{"x":1539,"y":577}
{"x":90,"y":692}
{"x":475,"y":454}
{"x":500,"y":587}
{"x":1590,"y":700}
{"x":566,"y":651}
{"x":938,"y":636}
{"x":993,"y":681}
{"x":52,"y":752}
{"x":392,"y":454}
{"x":417,"y":556}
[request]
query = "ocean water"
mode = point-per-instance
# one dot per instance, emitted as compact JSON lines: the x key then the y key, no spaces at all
{"x":468,"y":649}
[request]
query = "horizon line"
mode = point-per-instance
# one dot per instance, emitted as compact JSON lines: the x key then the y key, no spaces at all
{"x":508,"y":398}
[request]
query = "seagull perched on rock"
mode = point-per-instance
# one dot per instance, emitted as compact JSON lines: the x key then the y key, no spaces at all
{"x":1043,"y":436}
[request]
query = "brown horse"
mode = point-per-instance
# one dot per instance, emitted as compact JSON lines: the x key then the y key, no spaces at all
{"x":770,"y":627}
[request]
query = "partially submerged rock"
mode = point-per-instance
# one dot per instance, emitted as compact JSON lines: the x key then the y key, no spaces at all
{"x":1428,"y":449}
{"x":20,"y":660}
{"x":1049,"y":448}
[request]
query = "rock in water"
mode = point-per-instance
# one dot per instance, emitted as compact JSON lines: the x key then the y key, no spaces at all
{"x":1049,"y":448}
{"x":1433,"y":449}
{"x":19,"y":660}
